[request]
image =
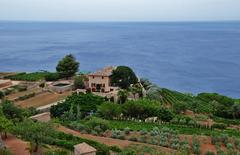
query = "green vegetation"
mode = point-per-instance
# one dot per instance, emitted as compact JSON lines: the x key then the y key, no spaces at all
{"x":78,"y":82}
{"x":210,"y":103}
{"x":123,"y":95}
{"x":43,"y":133}
{"x":27,"y":96}
{"x":28,"y":76}
{"x":77,"y":105}
{"x":33,"y":132}
{"x":2,"y":95}
{"x":68,"y":66}
{"x":52,"y":77}
{"x":35,"y":76}
{"x":137,"y":126}
{"x":5,"y":152}
{"x":123,"y":76}
{"x":109,"y":110}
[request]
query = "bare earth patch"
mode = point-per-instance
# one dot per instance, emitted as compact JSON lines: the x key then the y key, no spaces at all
{"x":42,"y":99}
{"x":17,"y":146}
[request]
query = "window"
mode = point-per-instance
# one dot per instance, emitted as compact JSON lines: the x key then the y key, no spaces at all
{"x":93,"y":77}
{"x":102,"y":77}
{"x":103,"y":85}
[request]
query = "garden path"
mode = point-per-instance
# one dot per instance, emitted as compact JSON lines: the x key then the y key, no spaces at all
{"x":110,"y":141}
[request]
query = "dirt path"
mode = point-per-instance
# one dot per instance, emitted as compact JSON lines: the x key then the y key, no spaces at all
{"x":17,"y":146}
{"x":110,"y":141}
{"x":105,"y":140}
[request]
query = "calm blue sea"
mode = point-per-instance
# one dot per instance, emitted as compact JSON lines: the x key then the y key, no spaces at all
{"x":188,"y":57}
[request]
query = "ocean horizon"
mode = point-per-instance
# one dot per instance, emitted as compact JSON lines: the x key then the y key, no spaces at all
{"x":190,"y":57}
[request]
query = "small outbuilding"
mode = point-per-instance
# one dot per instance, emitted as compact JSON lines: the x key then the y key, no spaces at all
{"x":84,"y":149}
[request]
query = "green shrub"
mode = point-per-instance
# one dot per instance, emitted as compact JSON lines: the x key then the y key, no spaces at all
{"x":127,"y":130}
{"x":143,"y":132}
{"x":155,"y":131}
{"x":56,"y":152}
{"x":115,"y":149}
{"x":214,"y":139}
{"x":192,"y":123}
{"x":196,"y":146}
{"x":209,"y":153}
{"x":1,"y":95}
{"x":52,"y":77}
{"x":93,"y":132}
{"x":78,"y":82}
{"x":154,"y":141}
{"x":116,"y":133}
{"x":26,"y":96}
{"x":219,"y":126}
{"x":143,"y":139}
{"x":133,"y":138}
{"x":77,"y":126}
{"x":98,"y":129}
{"x":229,"y":146}
{"x":183,"y":121}
{"x":94,"y":121}
{"x":5,"y":152}
{"x":42,"y":85}
{"x":175,"y":143}
{"x":185,"y":146}
{"x":224,"y":139}
{"x":175,"y":120}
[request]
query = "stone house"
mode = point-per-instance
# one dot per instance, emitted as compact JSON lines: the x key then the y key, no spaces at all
{"x":100,"y":81}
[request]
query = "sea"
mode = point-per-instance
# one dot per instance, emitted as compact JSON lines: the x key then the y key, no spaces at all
{"x":190,"y":57}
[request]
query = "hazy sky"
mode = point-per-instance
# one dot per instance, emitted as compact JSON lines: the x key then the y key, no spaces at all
{"x":119,"y":10}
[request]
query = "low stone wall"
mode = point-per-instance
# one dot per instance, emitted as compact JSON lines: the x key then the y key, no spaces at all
{"x":62,"y":88}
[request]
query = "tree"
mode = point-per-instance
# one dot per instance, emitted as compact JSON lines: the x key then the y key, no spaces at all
{"x":140,"y":109}
{"x":180,"y":107}
{"x":122,"y":95}
{"x":165,"y":114}
{"x":235,"y":110}
{"x":87,"y":103}
{"x":35,"y":132}
{"x":5,"y":125}
{"x":68,"y":66}
{"x":11,"y":111}
{"x":1,"y":95}
{"x":78,"y":82}
{"x":109,"y":110}
{"x":52,"y":77}
{"x":123,"y":77}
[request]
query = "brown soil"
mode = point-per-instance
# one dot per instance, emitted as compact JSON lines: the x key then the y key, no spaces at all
{"x":42,"y":99}
{"x":17,"y":146}
{"x":18,"y":94}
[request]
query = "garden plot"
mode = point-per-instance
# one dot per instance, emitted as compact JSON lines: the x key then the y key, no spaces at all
{"x":42,"y":99}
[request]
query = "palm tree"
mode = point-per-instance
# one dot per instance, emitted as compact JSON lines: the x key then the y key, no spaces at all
{"x":235,"y":111}
{"x":122,"y":95}
{"x":136,"y":89}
